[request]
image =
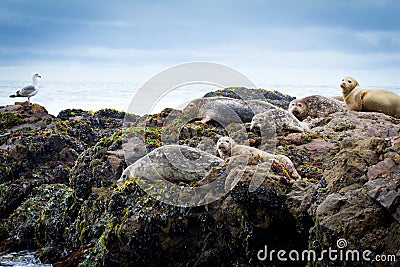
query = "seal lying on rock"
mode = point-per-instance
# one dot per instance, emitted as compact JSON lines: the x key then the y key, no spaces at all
{"x":173,"y":163}
{"x":225,"y":110}
{"x":363,"y":99}
{"x":227,"y":147}
{"x":281,"y":119}
{"x":315,"y":106}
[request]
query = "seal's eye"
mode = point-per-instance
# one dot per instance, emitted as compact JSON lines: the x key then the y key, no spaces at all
{"x":300,"y":105}
{"x":349,"y":81}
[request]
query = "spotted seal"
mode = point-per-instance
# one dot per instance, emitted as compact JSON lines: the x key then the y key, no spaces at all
{"x":227,"y":147}
{"x":172,"y":162}
{"x":281,"y":119}
{"x":315,"y":106}
{"x":225,"y":110}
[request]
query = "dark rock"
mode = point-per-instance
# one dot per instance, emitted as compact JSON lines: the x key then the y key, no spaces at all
{"x":41,"y":220}
{"x":58,"y":190}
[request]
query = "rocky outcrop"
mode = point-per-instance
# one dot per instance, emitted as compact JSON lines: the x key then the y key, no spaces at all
{"x":273,"y":97}
{"x":59,"y":192}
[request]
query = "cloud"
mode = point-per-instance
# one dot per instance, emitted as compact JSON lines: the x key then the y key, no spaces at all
{"x":100,"y":40}
{"x":380,"y":38}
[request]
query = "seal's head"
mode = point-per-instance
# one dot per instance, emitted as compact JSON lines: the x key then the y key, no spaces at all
{"x":298,"y":108}
{"x":256,"y":122}
{"x":348,"y":84}
{"x":224,"y":146}
{"x":193,"y":107}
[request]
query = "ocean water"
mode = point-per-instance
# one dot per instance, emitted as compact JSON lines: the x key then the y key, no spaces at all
{"x":57,"y":96}
{"x":21,"y":259}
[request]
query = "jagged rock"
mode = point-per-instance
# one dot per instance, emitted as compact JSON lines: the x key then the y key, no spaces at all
{"x":58,"y":190}
{"x":41,"y":219}
{"x":358,"y":219}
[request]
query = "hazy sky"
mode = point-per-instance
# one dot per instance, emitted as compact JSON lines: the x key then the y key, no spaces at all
{"x":272,"y":42}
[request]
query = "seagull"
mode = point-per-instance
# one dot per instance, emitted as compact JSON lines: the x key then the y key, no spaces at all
{"x":29,"y":90}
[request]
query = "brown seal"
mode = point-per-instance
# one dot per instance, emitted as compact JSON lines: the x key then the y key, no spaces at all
{"x":281,"y":119}
{"x":315,"y":106}
{"x":227,"y":147}
{"x":362,"y":99}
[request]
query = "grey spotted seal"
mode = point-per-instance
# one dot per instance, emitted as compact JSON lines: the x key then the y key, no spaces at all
{"x":315,"y":106}
{"x":225,"y":110}
{"x":281,"y":119}
{"x":363,"y":99}
{"x":173,"y":163}
{"x":227,"y":147}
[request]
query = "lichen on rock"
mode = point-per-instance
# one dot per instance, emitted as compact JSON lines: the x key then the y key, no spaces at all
{"x":59,"y":192}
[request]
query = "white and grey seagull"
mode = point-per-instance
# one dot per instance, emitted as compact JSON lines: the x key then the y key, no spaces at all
{"x":29,"y":90}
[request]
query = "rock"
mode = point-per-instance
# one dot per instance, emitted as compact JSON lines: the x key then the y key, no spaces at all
{"x":58,"y":191}
{"x":274,"y":97}
{"x":139,"y":229}
{"x":41,"y":220}
{"x":351,"y":163}
{"x":320,"y":145}
{"x":383,"y":181}
{"x":95,"y":169}
{"x":340,"y":217}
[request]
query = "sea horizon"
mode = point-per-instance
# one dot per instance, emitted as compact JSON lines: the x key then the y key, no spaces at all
{"x":94,"y":96}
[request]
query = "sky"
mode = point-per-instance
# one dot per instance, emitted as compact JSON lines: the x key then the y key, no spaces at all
{"x":272,"y":42}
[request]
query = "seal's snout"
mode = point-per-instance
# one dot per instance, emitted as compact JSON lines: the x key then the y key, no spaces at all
{"x":296,"y":112}
{"x":224,"y":143}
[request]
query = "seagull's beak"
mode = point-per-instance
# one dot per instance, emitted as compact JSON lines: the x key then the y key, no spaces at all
{"x":40,"y":76}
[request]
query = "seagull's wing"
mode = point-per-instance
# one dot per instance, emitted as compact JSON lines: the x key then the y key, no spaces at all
{"x":27,"y":90}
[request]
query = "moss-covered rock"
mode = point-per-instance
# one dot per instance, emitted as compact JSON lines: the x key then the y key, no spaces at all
{"x":42,"y":219}
{"x":58,"y":189}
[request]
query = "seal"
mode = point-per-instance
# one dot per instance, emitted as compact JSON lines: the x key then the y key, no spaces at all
{"x":225,"y":110}
{"x":363,"y":99}
{"x":315,"y":106}
{"x":174,"y":163}
{"x":227,"y":147}
{"x":281,"y":119}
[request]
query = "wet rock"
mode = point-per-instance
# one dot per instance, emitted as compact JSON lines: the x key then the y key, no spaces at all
{"x":58,"y":190}
{"x":138,"y":228}
{"x":94,"y":168}
{"x":41,"y":219}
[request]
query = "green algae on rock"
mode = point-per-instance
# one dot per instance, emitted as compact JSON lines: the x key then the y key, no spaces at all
{"x":58,"y":191}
